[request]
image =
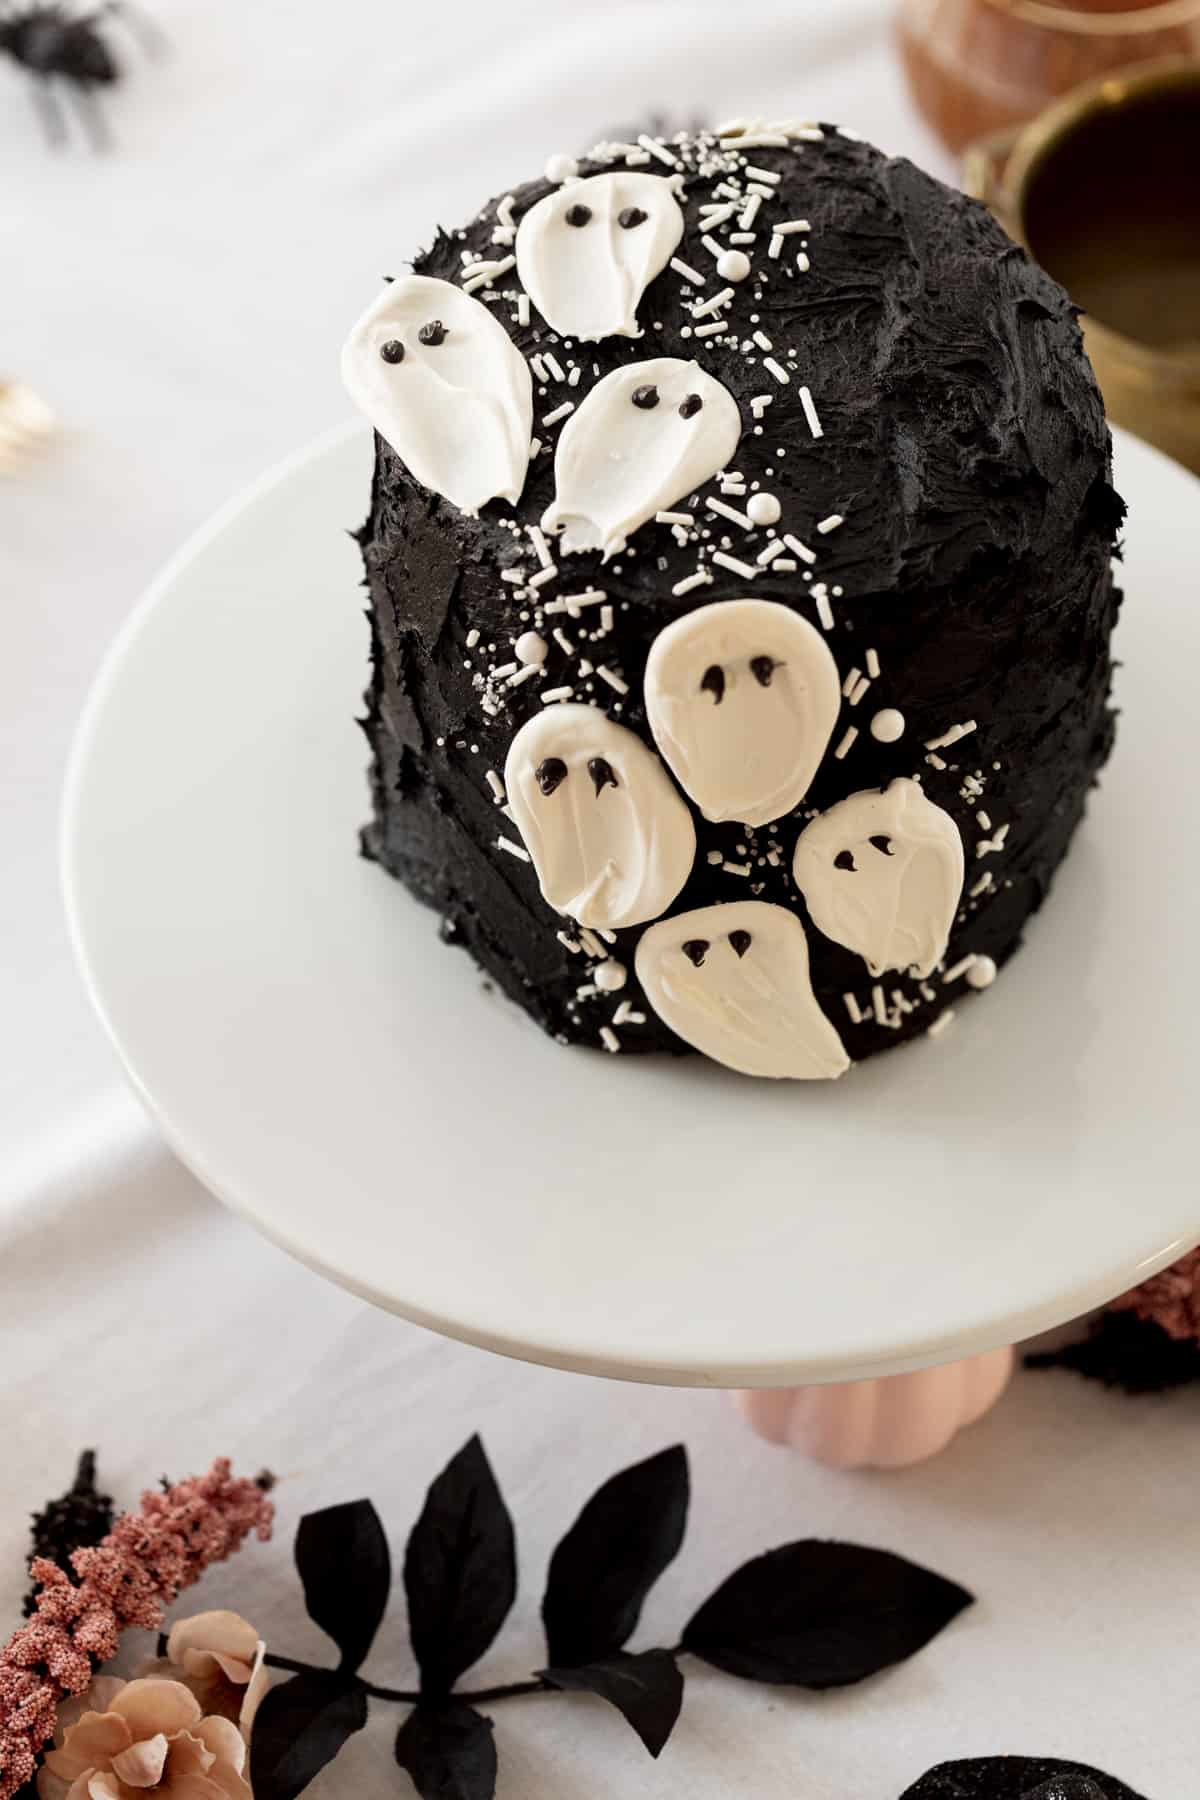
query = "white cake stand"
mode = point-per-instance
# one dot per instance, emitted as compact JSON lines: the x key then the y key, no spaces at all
{"x":332,"y":1072}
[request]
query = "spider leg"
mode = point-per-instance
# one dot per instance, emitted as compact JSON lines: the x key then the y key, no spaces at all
{"x":49,"y":110}
{"x":91,"y":116}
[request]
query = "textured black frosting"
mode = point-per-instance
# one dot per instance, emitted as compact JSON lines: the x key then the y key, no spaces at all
{"x":1017,"y":1778}
{"x":965,"y":446}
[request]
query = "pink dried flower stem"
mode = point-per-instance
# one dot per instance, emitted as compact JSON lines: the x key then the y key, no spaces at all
{"x":1171,"y":1299}
{"x":128,"y":1579}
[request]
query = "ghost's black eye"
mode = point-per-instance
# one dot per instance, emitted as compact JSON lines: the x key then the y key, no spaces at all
{"x":631,"y":216}
{"x":392,"y":351}
{"x":883,"y":845}
{"x":601,"y":773}
{"x":843,"y":860}
{"x":713,"y":682}
{"x":646,"y":397}
{"x":550,"y":774}
{"x":578,"y":215}
{"x":434,"y":333}
{"x":762,"y":668}
{"x":741,"y":941}
{"x":690,"y":407}
{"x":695,"y":949}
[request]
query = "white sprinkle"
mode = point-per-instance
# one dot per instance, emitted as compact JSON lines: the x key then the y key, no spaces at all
{"x":786,"y":565}
{"x":559,"y":693}
{"x":802,"y":262}
{"x":700,"y":579}
{"x":935,"y":762}
{"x":887,"y":727}
{"x":728,"y":512}
{"x":982,"y":885}
{"x":517,"y":850}
{"x":734,"y":566}
{"x":733,"y":265}
{"x":535,"y":447}
{"x":713,"y":215}
{"x":750,"y":211}
{"x":984,"y":820}
{"x":754,"y":140}
{"x":853,"y":1008}
{"x":878,"y":1004}
{"x":810,"y":413}
{"x":525,"y":674}
{"x":612,"y":678}
{"x":859,"y":690}
{"x":504,"y":209}
{"x":531,"y":647}
{"x":687,"y":271}
{"x":573,"y":379}
{"x":952,"y":736}
{"x":516,"y":576}
{"x":560,"y":412}
{"x":522,"y":309}
{"x":555,"y":367}
{"x":571,"y":603}
{"x":655,"y":149}
{"x":732,"y":868}
{"x":775,"y":246}
{"x":959,"y":969}
{"x":763,"y":341}
{"x":507,"y":668}
{"x":569,"y":943}
{"x":561,"y":168}
{"x":824,"y":610}
{"x":541,"y":549}
{"x":709,"y":306}
{"x":707,"y":331}
{"x":472,"y":638}
{"x":538,"y":367}
{"x":609,"y":1039}
{"x":606,"y":618}
{"x":543,"y":576}
{"x":766,"y":557}
{"x":829,"y":524}
{"x":779,"y":372}
{"x":625,"y":1015}
{"x":771,"y":179}
{"x":810,"y":134}
{"x":759,"y":404}
{"x":483,"y":274}
{"x":982,"y":973}
{"x":788,"y":226}
{"x":713,"y":246}
{"x":563,"y":641}
{"x":941,"y":1023}
{"x":497,"y":787}
{"x":674,"y":518}
{"x":843,"y":747}
{"x":872,"y":663}
{"x":591,"y":943}
{"x":848,"y":684}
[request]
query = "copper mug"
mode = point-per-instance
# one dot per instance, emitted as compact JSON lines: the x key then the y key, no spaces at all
{"x":1104,"y":189}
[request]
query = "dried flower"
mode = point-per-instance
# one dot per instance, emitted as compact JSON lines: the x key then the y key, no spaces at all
{"x":1171,"y":1299}
{"x":145,"y":1737}
{"x":219,"y":1657}
{"x":82,"y":1516}
{"x":128,"y":1579}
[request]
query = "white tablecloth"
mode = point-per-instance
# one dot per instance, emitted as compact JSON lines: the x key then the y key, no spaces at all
{"x":180,"y":302}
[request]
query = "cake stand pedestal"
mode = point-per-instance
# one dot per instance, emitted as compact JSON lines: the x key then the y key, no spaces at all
{"x":886,"y":1423}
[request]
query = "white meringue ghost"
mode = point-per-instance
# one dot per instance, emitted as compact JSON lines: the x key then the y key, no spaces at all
{"x":587,"y":253}
{"x":645,"y":436}
{"x":733,"y":982}
{"x":611,"y":840}
{"x":742,"y":697}
{"x":443,"y":382}
{"x":882,"y":873}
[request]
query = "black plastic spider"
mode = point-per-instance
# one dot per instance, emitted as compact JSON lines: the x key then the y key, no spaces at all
{"x":62,"y":48}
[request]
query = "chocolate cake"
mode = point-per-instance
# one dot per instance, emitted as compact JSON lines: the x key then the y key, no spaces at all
{"x":739,"y":570}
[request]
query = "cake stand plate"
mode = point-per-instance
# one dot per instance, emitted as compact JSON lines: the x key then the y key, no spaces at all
{"x":336,"y":1075}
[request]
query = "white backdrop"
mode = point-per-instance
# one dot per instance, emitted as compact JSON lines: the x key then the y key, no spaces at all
{"x":180,"y":302}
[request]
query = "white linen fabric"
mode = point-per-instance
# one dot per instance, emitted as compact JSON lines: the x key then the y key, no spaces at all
{"x":181,"y":302}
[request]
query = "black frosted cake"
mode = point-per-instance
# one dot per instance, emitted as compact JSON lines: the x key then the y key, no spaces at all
{"x":739,"y":568}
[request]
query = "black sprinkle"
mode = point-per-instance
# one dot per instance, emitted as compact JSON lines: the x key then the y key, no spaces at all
{"x":762,"y":667}
{"x":713,"y":682}
{"x":392,"y":351}
{"x":690,"y":407}
{"x":646,"y":397}
{"x":882,"y":844}
{"x":601,"y":773}
{"x":741,"y":941}
{"x":843,"y":860}
{"x":550,"y":774}
{"x":578,"y":215}
{"x":433,"y":333}
{"x":631,"y":216}
{"x":695,"y":949}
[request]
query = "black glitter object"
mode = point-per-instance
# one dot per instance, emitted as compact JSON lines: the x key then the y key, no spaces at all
{"x":550,"y":773}
{"x":741,"y":941}
{"x":80,"y":1518}
{"x":696,"y":949}
{"x":646,"y":397}
{"x":1126,"y":1352}
{"x":392,"y":351}
{"x":689,"y":407}
{"x":578,"y":215}
{"x":631,"y":216}
{"x":434,"y":333}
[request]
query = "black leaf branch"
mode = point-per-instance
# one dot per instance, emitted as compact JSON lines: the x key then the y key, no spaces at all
{"x":812,"y":1614}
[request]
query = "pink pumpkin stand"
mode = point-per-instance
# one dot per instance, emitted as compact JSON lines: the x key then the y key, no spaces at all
{"x":886,"y":1423}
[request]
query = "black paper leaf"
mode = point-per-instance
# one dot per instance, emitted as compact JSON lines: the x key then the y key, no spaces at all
{"x":613,"y":1554}
{"x":449,"y":1751}
{"x":1017,"y":1778}
{"x":820,"y":1615}
{"x":647,"y":1689}
{"x":342,"y":1556}
{"x":460,"y":1569}
{"x":299,"y":1728}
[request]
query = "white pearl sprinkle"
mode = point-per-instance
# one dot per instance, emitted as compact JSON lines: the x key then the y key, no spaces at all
{"x":763,"y":509}
{"x":733,"y":265}
{"x":561,"y":168}
{"x":982,"y":972}
{"x":531,"y":647}
{"x":609,"y":976}
{"x":888,"y":725}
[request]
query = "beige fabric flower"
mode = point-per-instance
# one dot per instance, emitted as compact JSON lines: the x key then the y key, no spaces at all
{"x":220,"y":1658}
{"x":151,"y":1738}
